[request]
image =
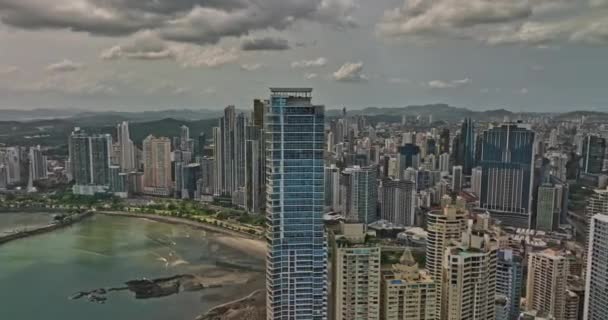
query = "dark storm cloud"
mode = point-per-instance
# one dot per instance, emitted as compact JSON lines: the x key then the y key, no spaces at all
{"x":194,"y":21}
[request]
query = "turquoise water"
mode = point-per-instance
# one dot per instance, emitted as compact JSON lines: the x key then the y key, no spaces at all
{"x":38,"y":274}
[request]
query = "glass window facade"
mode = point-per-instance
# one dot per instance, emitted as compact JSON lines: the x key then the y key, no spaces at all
{"x":297,"y":250}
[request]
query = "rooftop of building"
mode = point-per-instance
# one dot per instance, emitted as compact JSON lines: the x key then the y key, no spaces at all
{"x":292,"y":92}
{"x":551,"y":253}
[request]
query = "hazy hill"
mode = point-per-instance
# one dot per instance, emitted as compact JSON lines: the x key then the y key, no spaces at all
{"x":99,"y":117}
{"x":438,"y":111}
{"x":161,"y":128}
{"x":55,"y":132}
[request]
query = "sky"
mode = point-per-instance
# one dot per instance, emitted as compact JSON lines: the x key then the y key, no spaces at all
{"x":132,"y":55}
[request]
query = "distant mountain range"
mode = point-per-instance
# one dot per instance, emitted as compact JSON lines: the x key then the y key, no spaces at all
{"x":49,"y":127}
{"x":106,"y":116}
{"x":55,"y":132}
{"x":446,"y":112}
{"x":443,"y":112}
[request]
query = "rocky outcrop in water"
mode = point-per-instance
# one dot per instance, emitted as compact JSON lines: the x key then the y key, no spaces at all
{"x":163,"y":287}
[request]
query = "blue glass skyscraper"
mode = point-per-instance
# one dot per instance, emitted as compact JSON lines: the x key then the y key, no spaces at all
{"x":464,"y":146}
{"x":296,"y":266}
{"x":507,"y":173}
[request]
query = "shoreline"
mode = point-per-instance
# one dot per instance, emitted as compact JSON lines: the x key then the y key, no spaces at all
{"x":44,"y":229}
{"x":241,"y":241}
{"x":246,"y":243}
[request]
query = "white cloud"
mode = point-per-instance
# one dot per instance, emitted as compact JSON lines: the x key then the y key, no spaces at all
{"x":143,"y":46}
{"x":193,"y":56}
{"x":251,"y":67}
{"x":310,"y":76}
{"x":148,"y":46}
{"x":319,"y":62}
{"x":499,"y":22}
{"x":441,"y":16}
{"x":65,"y":66}
{"x":524,"y":91}
{"x":441,"y":84}
{"x":70,"y":83}
{"x":350,"y":72}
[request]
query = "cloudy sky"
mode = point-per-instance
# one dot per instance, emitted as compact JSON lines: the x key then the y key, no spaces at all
{"x":532,"y":55}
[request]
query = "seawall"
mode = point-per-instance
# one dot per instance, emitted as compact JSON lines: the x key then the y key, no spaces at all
{"x":48,"y":228}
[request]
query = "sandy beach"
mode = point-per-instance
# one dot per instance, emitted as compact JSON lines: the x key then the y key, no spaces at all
{"x":240,"y":241}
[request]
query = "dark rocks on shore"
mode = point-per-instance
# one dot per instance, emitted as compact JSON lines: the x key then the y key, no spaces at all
{"x":162,"y":287}
{"x":251,"y":307}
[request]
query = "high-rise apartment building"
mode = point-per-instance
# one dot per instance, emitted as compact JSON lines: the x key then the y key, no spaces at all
{"x":444,"y":163}
{"x":11,"y":158}
{"x":597,"y":203}
{"x":507,"y":173}
{"x":572,"y":308}
{"x":443,"y":227}
{"x":356,"y":280}
{"x":469,"y":279}
{"x":510,"y":280}
{"x":596,"y":288}
{"x":398,"y":202}
{"x":228,"y":133}
{"x":38,"y":167}
{"x":593,"y":154}
{"x":118,"y":182}
{"x":409,"y":157}
{"x":549,"y":206}
{"x":407,"y":292}
{"x":185,"y":143}
{"x":230,"y":155}
{"x":157,"y":166}
{"x":476,"y":181}
{"x":296,"y":265}
{"x":360,"y":190}
{"x":90,"y":162}
{"x":255,"y":193}
{"x":218,"y":161}
{"x":126,"y":147}
{"x":332,"y":189}
{"x":547,"y":283}
{"x":444,"y":141}
{"x":464,"y":146}
{"x":207,"y":184}
{"x":457,"y":178}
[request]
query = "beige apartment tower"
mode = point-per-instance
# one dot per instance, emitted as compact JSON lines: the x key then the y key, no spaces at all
{"x":547,"y":283}
{"x":408,"y":293}
{"x":444,"y":227}
{"x":356,"y":275}
{"x":157,"y":165}
{"x":469,"y":278}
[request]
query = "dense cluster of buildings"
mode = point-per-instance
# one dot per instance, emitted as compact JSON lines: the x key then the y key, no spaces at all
{"x":417,"y":220}
{"x":22,"y":166}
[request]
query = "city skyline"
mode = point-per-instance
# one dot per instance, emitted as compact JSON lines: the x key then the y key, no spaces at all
{"x":138,"y":55}
{"x":410,"y":233}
